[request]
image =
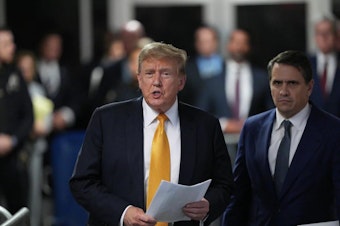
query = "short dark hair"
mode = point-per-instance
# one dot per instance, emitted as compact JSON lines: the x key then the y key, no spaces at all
{"x":293,"y":58}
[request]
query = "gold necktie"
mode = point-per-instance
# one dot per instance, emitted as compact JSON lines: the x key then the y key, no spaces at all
{"x":160,"y":159}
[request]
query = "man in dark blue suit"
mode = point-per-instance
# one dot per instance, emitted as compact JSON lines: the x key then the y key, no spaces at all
{"x":309,"y":191}
{"x":219,"y":96}
{"x":111,"y":175}
{"x":205,"y":64}
{"x":326,"y":67}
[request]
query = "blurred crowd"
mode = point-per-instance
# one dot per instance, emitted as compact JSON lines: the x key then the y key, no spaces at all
{"x":40,"y":98}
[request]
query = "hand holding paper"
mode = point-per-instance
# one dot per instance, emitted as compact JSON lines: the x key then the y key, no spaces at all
{"x":170,"y":198}
{"x":197,"y":210}
{"x":136,"y":216}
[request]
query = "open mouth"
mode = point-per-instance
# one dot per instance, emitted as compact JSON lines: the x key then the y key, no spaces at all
{"x":156,"y":94}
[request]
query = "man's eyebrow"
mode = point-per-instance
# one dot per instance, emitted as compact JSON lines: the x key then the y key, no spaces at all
{"x":282,"y":80}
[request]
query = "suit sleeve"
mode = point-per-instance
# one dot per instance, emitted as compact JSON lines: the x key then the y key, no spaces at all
{"x":238,"y":209}
{"x":336,"y":172}
{"x":222,"y":185}
{"x":86,"y":184}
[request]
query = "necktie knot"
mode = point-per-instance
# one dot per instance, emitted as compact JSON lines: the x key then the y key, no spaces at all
{"x":287,"y":125}
{"x":162,"y":117}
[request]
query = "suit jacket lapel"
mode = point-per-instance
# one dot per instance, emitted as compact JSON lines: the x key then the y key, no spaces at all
{"x":188,"y":146}
{"x":309,"y":143}
{"x":135,"y":146}
{"x":262,"y":145}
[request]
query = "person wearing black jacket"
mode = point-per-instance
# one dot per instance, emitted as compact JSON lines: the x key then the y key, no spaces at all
{"x":16,"y":119}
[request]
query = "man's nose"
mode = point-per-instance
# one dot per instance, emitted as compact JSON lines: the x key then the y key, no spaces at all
{"x":284,"y":89}
{"x":157,"y":79}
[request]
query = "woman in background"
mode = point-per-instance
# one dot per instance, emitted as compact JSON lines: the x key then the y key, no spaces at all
{"x":42,"y":108}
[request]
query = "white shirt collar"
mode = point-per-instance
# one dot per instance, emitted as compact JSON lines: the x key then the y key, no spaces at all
{"x":150,"y":115}
{"x":233,"y":65}
{"x":321,"y":59}
{"x":299,"y":120}
{"x":321,"y":56}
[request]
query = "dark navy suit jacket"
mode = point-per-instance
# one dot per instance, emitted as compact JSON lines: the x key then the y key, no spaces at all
{"x":194,"y":83}
{"x":213,"y":96}
{"x":311,"y":191}
{"x":109,"y":173}
{"x":332,"y":103}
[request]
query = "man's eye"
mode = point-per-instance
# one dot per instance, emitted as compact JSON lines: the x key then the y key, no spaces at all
{"x":166,"y":74}
{"x":293,"y":83}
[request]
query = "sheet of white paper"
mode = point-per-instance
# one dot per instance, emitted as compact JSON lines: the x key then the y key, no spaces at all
{"x":170,"y":198}
{"x":329,"y":223}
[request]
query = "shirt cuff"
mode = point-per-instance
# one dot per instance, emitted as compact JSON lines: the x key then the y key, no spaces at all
{"x":223,"y":123}
{"x":204,"y":219}
{"x":68,"y":115}
{"x":121,"y":222}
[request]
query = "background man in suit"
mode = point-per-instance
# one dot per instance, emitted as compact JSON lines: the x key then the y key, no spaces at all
{"x":57,"y":81}
{"x":326,"y":68}
{"x":206,"y":63}
{"x":16,"y":119}
{"x":302,"y":186}
{"x":112,"y":173}
{"x":116,"y":74}
{"x":220,"y":96}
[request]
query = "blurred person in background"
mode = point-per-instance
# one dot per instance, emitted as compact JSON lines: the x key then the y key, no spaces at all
{"x":337,"y":36}
{"x":112,"y":90}
{"x":102,"y":80}
{"x":57,"y":81}
{"x":42,"y":126}
{"x":42,"y":106}
{"x":16,"y":120}
{"x":131,"y":32}
{"x":91,"y":74}
{"x":64,"y":90}
{"x":114,"y":49}
{"x":205,"y":64}
{"x":325,"y":65}
{"x":243,"y":89}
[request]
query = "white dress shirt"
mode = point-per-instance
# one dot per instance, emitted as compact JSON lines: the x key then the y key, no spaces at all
{"x":331,"y":68}
{"x":173,"y":131}
{"x":50,"y":76}
{"x":299,"y":122}
{"x":246,"y":87}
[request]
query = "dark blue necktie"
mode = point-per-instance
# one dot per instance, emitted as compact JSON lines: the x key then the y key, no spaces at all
{"x":282,"y":158}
